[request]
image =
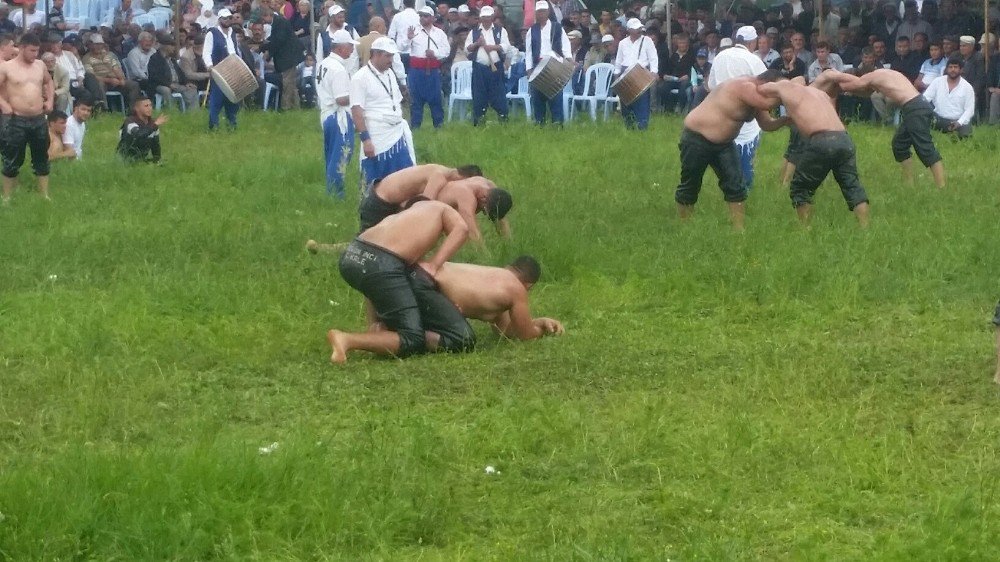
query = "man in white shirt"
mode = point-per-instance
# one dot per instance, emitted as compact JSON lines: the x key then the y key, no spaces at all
{"x":737,"y":62}
{"x":333,"y":89}
{"x":219,"y":44}
{"x":27,"y":16}
{"x":487,"y":46}
{"x":636,"y":49}
{"x":337,"y":22}
{"x":376,"y":107}
{"x":400,"y":26}
{"x":932,"y":67}
{"x":954,"y":100}
{"x":76,"y":126}
{"x":428,"y":46}
{"x":545,"y":38}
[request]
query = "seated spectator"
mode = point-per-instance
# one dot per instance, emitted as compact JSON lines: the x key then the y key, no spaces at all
{"x":300,"y":24}
{"x":307,"y":81}
{"x":904,"y":60}
{"x":60,"y":81}
{"x":57,"y":128}
{"x":166,"y":76}
{"x":931,"y":68}
{"x":137,"y":63}
{"x":6,"y":26}
{"x":108,"y":71}
{"x":825,"y":60}
{"x":699,"y":73}
{"x":676,"y":73}
{"x":76,"y":125}
{"x":789,"y":65}
{"x":139,"y":138}
{"x":954,"y":100}
{"x":81,"y":83}
{"x":765,"y":52}
{"x":858,"y":107}
{"x":601,"y":53}
{"x":799,"y":44}
{"x":193,"y":65}
{"x":849,"y":50}
{"x":920,"y":44}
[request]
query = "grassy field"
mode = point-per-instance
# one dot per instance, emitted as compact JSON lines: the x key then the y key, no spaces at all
{"x":780,"y":394}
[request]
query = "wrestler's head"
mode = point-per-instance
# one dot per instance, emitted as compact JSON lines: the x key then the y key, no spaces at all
{"x":496,"y":204}
{"x":30,"y":44}
{"x":527,"y":269}
{"x":770,"y":75}
{"x":469,"y":171}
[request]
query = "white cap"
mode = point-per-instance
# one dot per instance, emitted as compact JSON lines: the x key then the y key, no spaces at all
{"x":633,"y":24}
{"x":342,"y":36}
{"x":426,"y":11}
{"x":747,"y":32}
{"x":225,"y":13}
{"x":452,"y":10}
{"x":334,"y":10}
{"x":385,"y":44}
{"x":486,"y":12}
{"x":541,"y":5}
{"x":726,"y":42}
{"x":463,"y":9}
{"x":607,"y":38}
{"x":575,"y":34}
{"x":96,"y":39}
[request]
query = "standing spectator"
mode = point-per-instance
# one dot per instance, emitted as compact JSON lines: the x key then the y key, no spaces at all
{"x":57,"y":128}
{"x":286,"y":52}
{"x":428,"y":46}
{"x":886,"y":26}
{"x":377,"y":111}
{"x":337,"y":23}
{"x":123,"y":14}
{"x":487,"y":45}
{"x":912,"y":24}
{"x":357,"y":15}
{"x":166,"y":76}
{"x":76,"y":125}
{"x":137,"y":62}
{"x":932,"y":67}
{"x":333,"y":89}
{"x":300,"y":23}
{"x":376,"y":25}
{"x":636,"y":49}
{"x":139,"y":137}
{"x":400,"y":27}
{"x":60,"y":81}
{"x":104,"y":66}
{"x":954,"y":101}
{"x":27,"y":16}
{"x":545,"y":37}
{"x":825,"y":60}
{"x":220,"y":42}
{"x":57,"y":23}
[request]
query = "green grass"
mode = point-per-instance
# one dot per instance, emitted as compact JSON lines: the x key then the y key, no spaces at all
{"x":778,"y":394}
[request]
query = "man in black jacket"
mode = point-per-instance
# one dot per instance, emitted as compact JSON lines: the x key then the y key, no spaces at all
{"x":166,"y":76}
{"x":286,"y":52}
{"x":139,"y":138}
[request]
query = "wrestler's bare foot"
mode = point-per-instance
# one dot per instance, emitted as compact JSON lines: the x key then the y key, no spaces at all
{"x":336,"y":340}
{"x":312,"y":246}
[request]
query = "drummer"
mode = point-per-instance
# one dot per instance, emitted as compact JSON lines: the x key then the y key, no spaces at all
{"x":545,"y":38}
{"x":219,"y":44}
{"x":637,"y":49}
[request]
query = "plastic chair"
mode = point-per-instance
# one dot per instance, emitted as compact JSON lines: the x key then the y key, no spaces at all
{"x":567,"y":95}
{"x":108,"y":96}
{"x":523,"y":95}
{"x":176,"y":95}
{"x":461,"y":86}
{"x":268,"y":89}
{"x":599,"y":77}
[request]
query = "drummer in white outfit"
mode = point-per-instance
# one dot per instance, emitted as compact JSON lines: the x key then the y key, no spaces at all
{"x":736,"y":62}
{"x":545,"y":38}
{"x":377,"y":109}
{"x":637,"y":49}
{"x":324,"y":45}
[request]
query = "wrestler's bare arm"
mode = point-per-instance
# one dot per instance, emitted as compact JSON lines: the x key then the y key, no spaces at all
{"x":458,"y":233}
{"x":467,"y":205}
{"x":517,"y":322}
{"x":754,"y":99}
{"x":48,"y":88}
{"x":768,"y":123}
{"x":434,"y":184}
{"x":5,"y":107}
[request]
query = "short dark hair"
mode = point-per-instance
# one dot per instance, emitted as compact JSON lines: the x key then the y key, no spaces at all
{"x":787,"y":46}
{"x":56,"y":115}
{"x":935,"y":44}
{"x":140,"y":99}
{"x":822,"y":45}
{"x":408,"y":3}
{"x":956,"y":60}
{"x":84,"y":101}
{"x":469,"y":171}
{"x":6,"y":38}
{"x":902,"y":38}
{"x":770,"y":75}
{"x":498,"y":204}
{"x":868,"y":52}
{"x":30,"y":40}
{"x":527,"y":268}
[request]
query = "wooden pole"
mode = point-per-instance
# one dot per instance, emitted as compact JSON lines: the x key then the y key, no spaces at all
{"x":819,"y":14}
{"x":986,"y":35}
{"x":177,"y":20}
{"x":669,"y":18}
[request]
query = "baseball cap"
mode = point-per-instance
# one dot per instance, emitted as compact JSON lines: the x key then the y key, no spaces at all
{"x":334,"y":10}
{"x":575,"y":34}
{"x":486,"y":12}
{"x":71,"y":38}
{"x":607,"y":38}
{"x":747,"y":32}
{"x":967,"y":40}
{"x":541,"y":5}
{"x":702,"y":52}
{"x":385,"y":44}
{"x":633,"y":23}
{"x":426,"y":11}
{"x":463,"y":9}
{"x":225,"y":13}
{"x":342,"y":36}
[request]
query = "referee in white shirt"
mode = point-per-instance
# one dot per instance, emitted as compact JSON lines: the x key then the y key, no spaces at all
{"x":736,"y":62}
{"x":637,"y":49}
{"x":954,"y":100}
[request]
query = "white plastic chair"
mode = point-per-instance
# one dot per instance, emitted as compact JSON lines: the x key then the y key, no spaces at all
{"x":567,"y":99}
{"x":523,"y":95}
{"x":177,"y":95}
{"x":461,"y":86}
{"x":108,"y":96}
{"x":599,"y":77}
{"x":270,"y":88}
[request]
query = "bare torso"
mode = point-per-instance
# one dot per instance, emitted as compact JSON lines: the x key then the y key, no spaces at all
{"x":461,"y":194}
{"x":23,"y":86}
{"x":809,"y":108}
{"x":480,"y":292}
{"x":408,"y":183}
{"x":891,"y":84}
{"x":411,"y":233}
{"x":723,"y":112}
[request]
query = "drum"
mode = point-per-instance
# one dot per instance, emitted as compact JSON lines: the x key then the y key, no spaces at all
{"x":551,"y":76}
{"x":234,"y":78}
{"x":633,"y":83}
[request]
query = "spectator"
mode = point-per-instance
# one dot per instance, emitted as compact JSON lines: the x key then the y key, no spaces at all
{"x":124,"y":13}
{"x":76,"y":125}
{"x":402,"y":23}
{"x":677,"y":76}
{"x":27,"y":16}
{"x":286,"y":52}
{"x":905,"y":61}
{"x":601,"y":53}
{"x":886,"y":26}
{"x":764,"y":52}
{"x":337,"y":22}
{"x":857,"y":106}
{"x":137,"y":62}
{"x":377,"y":29}
{"x":799,"y":45}
{"x":307,"y":81}
{"x":711,"y":45}
{"x":912,"y":24}
{"x":57,"y":23}
{"x":878,"y":48}
{"x":6,"y":26}
{"x":300,"y":23}
{"x":825,"y":60}
{"x":57,"y":128}
{"x":167,"y":77}
{"x":919,"y":43}
{"x":954,"y":100}
{"x":931,"y":68}
{"x":849,"y":51}
{"x":81,"y":83}
{"x":108,"y":71}
{"x":60,"y":81}
{"x":139,"y":137}
{"x":789,"y":65}
{"x":193,"y":65}
{"x":973,"y":64}
{"x":701,"y":70}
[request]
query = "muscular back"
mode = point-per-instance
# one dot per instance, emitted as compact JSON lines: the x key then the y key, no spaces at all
{"x":480,"y":292}
{"x":23,"y":86}
{"x":724,"y":111}
{"x":891,"y":84}
{"x":408,"y":183}
{"x":809,"y":108}
{"x":413,"y":232}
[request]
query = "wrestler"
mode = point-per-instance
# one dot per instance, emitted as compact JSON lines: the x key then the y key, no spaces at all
{"x":826,"y":147}
{"x":916,"y":114}
{"x":707,"y":140}
{"x":793,"y":152}
{"x":26,"y":95}
{"x":378,"y":263}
